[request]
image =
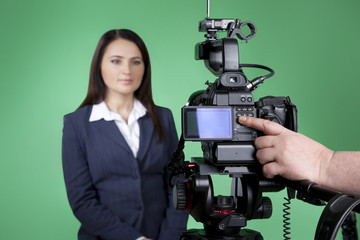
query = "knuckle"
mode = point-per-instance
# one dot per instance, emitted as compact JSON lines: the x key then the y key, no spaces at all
{"x":269,"y":171}
{"x":267,"y":124}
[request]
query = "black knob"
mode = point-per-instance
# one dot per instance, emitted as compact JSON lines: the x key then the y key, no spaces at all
{"x":180,"y":196}
{"x":224,"y":202}
{"x":267,"y":207}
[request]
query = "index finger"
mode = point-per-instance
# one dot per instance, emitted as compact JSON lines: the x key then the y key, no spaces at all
{"x":263,"y":125}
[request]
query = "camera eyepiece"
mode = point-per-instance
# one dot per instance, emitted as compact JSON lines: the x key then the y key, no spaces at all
{"x":233,"y":80}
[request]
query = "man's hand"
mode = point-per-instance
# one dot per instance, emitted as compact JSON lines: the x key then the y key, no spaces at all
{"x":287,"y":153}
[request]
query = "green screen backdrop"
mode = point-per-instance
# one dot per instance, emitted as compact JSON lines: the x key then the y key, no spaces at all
{"x":45,"y":53}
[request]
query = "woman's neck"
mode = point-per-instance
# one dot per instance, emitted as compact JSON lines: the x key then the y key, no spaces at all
{"x":121,"y":105}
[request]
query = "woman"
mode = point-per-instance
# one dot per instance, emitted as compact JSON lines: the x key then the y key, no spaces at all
{"x":116,"y":146}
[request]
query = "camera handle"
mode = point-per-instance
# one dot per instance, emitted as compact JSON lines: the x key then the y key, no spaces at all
{"x":334,"y":215}
{"x":235,"y":29}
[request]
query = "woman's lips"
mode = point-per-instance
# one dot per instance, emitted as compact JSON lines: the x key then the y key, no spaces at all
{"x":125,"y":81}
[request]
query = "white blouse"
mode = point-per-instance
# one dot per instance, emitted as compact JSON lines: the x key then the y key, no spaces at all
{"x":130,"y":130}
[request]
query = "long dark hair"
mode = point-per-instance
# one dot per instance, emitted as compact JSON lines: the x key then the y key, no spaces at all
{"x":97,"y":87}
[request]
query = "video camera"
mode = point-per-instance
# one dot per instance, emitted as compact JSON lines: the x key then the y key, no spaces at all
{"x":211,"y":117}
{"x":228,"y":147}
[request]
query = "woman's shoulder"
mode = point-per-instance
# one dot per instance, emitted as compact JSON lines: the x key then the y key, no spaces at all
{"x":163,"y":111}
{"x":80,"y":114}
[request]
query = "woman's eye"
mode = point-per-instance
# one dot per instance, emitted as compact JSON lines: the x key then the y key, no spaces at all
{"x":115,"y":61}
{"x":136,"y":62}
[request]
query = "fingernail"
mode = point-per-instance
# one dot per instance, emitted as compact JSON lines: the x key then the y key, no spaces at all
{"x":242,"y":119}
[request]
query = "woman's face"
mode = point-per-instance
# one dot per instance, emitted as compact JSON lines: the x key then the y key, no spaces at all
{"x":122,"y":68}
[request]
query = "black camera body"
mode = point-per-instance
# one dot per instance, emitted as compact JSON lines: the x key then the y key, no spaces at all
{"x":211,"y":116}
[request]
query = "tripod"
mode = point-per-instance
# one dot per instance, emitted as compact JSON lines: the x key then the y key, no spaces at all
{"x":224,"y":216}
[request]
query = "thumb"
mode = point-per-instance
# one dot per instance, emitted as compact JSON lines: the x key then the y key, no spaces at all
{"x":266,"y":126}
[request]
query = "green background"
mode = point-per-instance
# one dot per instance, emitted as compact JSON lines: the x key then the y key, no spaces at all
{"x":45,"y":53}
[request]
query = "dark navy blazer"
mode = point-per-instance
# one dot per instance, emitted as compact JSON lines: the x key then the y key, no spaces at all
{"x":113,"y":194}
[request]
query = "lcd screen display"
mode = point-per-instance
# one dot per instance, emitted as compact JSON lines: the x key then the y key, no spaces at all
{"x":207,"y":123}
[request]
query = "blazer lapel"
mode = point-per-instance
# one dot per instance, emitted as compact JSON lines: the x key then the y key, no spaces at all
{"x":110,"y":129}
{"x":146,"y":135}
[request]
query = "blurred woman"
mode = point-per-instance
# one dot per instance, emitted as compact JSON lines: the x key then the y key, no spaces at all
{"x":116,"y":147}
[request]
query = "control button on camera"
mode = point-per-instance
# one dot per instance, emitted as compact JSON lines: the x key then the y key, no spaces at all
{"x":243,"y":99}
{"x":249,"y":99}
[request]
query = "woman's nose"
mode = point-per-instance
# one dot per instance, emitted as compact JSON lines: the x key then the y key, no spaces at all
{"x":126,"y":68}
